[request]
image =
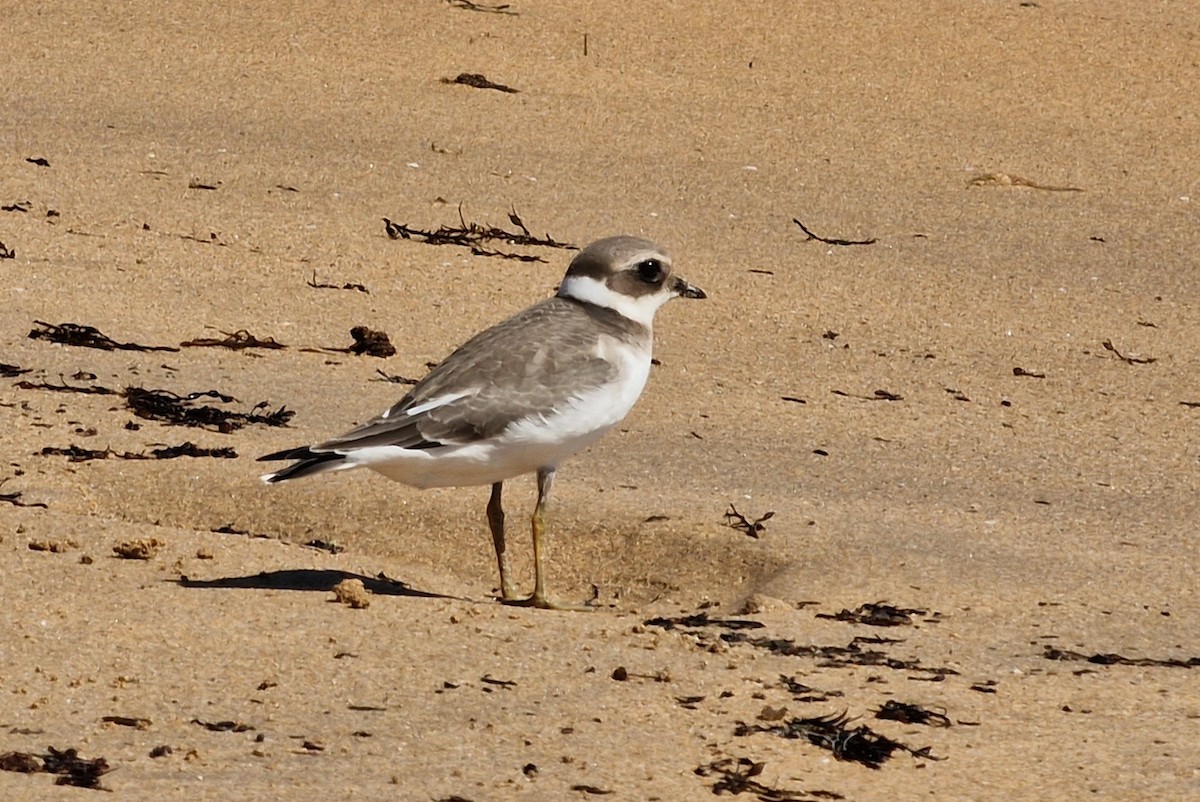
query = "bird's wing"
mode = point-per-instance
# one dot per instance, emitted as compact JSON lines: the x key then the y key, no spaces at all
{"x":529,"y":365}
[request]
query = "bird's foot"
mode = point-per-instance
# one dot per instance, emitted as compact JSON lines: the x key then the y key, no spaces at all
{"x":541,"y":602}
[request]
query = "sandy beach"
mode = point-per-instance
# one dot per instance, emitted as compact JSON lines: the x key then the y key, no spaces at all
{"x":946,"y":376}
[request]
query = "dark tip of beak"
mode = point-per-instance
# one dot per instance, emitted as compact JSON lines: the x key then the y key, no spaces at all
{"x":686,"y":290}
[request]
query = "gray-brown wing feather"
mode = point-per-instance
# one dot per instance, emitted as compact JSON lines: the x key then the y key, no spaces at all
{"x":529,"y":365}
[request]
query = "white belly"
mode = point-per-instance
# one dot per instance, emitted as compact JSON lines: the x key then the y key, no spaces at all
{"x":532,"y":443}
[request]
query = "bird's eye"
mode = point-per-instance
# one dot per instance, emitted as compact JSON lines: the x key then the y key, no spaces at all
{"x":649,"y":271}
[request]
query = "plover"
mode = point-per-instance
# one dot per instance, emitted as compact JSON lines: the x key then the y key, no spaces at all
{"x":521,"y":396}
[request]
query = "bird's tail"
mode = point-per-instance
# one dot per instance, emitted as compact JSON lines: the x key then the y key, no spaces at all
{"x":308,"y":462}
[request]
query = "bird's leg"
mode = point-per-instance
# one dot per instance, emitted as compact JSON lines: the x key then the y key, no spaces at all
{"x":495,"y":516}
{"x":545,"y":481}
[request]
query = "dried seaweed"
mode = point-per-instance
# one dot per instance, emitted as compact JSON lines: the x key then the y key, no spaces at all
{"x":831,"y":241}
{"x":1113,"y":659}
{"x":473,"y":235}
{"x":71,"y":768}
{"x":838,"y":656}
{"x":467,"y":5}
{"x":9,"y":371}
{"x":752,"y":528}
{"x":7,"y":252}
{"x":1128,"y":360}
{"x":235,"y":342}
{"x":911,"y":714}
{"x":87,"y":337}
{"x":858,"y":744}
{"x":477,"y":81}
{"x":165,"y":406}
{"x":347,"y":286}
{"x":702,"y":620}
{"x":223,"y":726}
{"x":736,"y":776}
{"x":880,"y":614}
{"x":65,"y":388}
{"x":806,"y":693}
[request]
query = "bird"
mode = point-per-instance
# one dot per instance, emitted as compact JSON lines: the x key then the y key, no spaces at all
{"x":520,"y":397}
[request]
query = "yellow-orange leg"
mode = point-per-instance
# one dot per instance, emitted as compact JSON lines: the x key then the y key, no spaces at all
{"x":545,"y":481}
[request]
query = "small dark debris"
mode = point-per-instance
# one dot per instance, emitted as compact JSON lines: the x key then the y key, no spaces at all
{"x":223,"y":726}
{"x":347,"y":286}
{"x":367,"y":708}
{"x":127,"y":721}
{"x":312,"y":746}
{"x":1018,"y":371}
{"x":22,"y":762}
{"x":229,"y":529}
{"x":326,"y":545}
{"x":828,"y":241}
{"x":165,"y":406}
{"x":620,"y":674}
{"x":703,"y":620}
{"x":196,"y":183}
{"x":1112,"y":659}
{"x":911,"y":714}
{"x":488,"y":679}
{"x":987,"y":686}
{"x":478,"y":81}
{"x":761,"y":272}
{"x":879,"y":614}
{"x":140,"y":549}
{"x":39,"y":161}
{"x":1128,"y":360}
{"x":1190,"y":404}
{"x":236,"y":341}
{"x":161,"y":751}
{"x":878,"y":395}
{"x":14,"y":498}
{"x":18,"y":206}
{"x":793,"y":399}
{"x":396,"y":379}
{"x":591,"y":789}
{"x":736,"y":777}
{"x":859,"y":744}
{"x":806,"y":693}
{"x":754,"y":529}
{"x":9,"y":371}
{"x":87,"y":337}
{"x":689,"y":702}
{"x":529,"y":769}
{"x":7,"y":252}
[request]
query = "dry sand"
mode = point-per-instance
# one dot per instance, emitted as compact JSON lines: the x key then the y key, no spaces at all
{"x":1019,"y":513}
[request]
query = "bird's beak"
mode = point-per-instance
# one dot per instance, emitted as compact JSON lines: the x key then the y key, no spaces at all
{"x":685,"y":290}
